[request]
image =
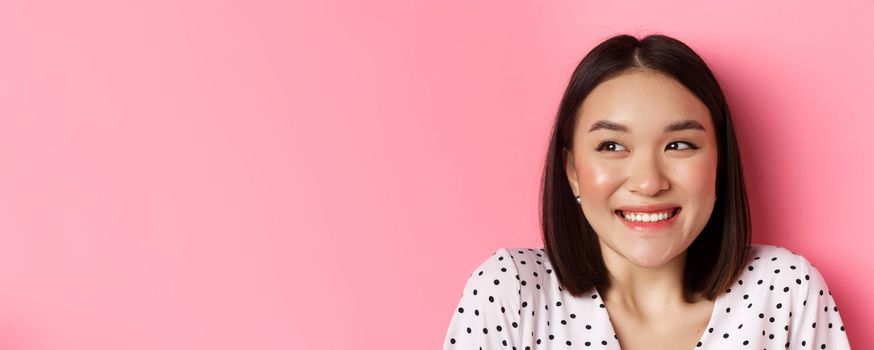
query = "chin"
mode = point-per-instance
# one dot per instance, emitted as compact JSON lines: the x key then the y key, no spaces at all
{"x":650,"y":256}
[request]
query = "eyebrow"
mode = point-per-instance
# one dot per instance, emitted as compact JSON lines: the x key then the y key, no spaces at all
{"x":675,"y":126}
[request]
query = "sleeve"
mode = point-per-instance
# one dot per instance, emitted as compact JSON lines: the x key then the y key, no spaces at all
{"x":488,"y":314}
{"x":817,"y":324}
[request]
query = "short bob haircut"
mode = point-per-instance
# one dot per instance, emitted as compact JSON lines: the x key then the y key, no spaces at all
{"x":719,"y":253}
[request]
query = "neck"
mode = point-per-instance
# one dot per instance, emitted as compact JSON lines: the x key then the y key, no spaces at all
{"x":645,"y":290}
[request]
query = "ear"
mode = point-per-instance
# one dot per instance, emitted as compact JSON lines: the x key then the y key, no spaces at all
{"x":570,"y":170}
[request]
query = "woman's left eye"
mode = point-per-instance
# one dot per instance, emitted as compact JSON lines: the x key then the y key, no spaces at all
{"x":677,"y":147}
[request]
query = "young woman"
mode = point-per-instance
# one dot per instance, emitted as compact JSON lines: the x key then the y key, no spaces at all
{"x":646,"y":227}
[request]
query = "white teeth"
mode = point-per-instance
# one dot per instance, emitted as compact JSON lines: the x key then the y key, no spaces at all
{"x":647,"y":217}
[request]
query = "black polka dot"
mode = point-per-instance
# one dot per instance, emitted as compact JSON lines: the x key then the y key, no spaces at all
{"x":498,"y":307}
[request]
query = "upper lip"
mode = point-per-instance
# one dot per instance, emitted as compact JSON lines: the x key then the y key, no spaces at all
{"x":651,"y":208}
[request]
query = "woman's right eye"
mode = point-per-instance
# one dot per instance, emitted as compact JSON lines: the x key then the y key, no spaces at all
{"x":609,"y":146}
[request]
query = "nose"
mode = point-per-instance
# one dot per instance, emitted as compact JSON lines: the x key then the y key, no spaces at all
{"x":647,"y":177}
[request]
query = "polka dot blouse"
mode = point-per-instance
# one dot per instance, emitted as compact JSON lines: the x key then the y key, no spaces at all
{"x":513,"y":301}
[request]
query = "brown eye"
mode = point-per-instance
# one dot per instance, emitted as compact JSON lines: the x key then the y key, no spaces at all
{"x":677,"y":147}
{"x":609,"y":146}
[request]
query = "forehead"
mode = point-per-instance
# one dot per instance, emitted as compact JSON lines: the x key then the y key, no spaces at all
{"x":642,"y":100}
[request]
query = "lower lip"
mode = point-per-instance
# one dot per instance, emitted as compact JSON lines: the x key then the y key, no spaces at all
{"x":656,"y":225}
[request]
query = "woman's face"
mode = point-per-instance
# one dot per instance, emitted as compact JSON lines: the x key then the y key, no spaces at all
{"x":643,"y":139}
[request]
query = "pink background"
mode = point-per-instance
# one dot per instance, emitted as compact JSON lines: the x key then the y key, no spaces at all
{"x":326,"y":175}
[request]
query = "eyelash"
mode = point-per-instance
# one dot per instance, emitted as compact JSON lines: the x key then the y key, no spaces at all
{"x":602,"y":146}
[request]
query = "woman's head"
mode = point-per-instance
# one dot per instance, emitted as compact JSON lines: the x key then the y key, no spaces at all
{"x":644,"y":122}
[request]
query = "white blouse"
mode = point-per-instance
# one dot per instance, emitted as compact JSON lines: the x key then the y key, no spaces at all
{"x":513,"y":301}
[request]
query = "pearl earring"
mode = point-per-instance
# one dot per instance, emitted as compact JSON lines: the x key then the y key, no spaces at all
{"x":578,"y":199}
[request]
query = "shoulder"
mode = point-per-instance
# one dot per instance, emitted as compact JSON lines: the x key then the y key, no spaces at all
{"x":777,"y":254}
{"x":499,"y":273}
{"x":488,"y":313}
{"x":781,"y":289}
{"x":799,"y":287}
{"x":777,"y":259}
{"x":506,"y":263}
{"x":781,"y":270}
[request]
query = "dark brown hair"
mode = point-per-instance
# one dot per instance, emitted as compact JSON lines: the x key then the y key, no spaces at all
{"x":718,"y":254}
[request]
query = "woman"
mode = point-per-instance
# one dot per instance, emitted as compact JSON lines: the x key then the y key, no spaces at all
{"x":646,"y":227}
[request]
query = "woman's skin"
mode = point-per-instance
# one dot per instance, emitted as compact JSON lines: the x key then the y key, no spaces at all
{"x":646,"y":165}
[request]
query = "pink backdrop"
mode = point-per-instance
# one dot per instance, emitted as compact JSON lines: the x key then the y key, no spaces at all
{"x":325,"y":175}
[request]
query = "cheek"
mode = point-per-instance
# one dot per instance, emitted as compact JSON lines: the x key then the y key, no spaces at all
{"x":599,"y":179}
{"x":697,"y":178}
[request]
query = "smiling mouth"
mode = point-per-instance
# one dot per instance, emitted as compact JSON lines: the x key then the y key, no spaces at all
{"x":648,"y":217}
